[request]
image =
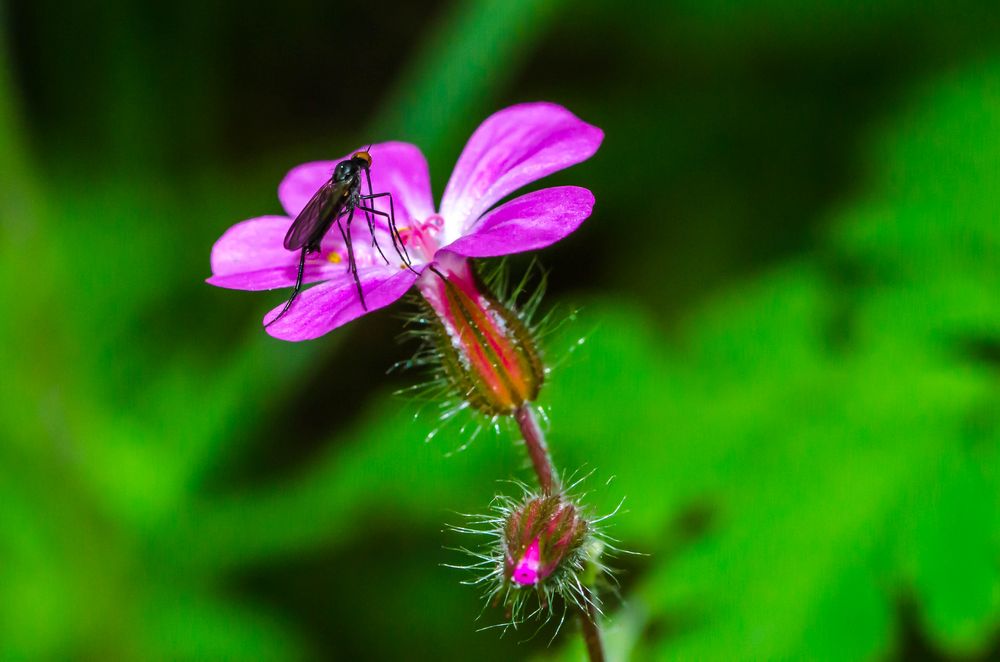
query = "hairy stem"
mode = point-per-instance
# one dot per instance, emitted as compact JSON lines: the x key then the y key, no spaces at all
{"x":534,"y":441}
{"x":591,"y":632}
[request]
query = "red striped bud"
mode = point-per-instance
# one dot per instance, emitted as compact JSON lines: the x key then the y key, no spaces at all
{"x":541,"y":535}
{"x":488,"y":354}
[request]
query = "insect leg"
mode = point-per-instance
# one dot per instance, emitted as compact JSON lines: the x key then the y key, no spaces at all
{"x":406,"y":259}
{"x":371,"y":229}
{"x":393,"y":231}
{"x":371,"y":220}
{"x":397,"y":241}
{"x":372,"y":211}
{"x":350,"y":255}
{"x":295,"y":290}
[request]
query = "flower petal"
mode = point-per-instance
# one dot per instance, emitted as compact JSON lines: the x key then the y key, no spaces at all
{"x":397,"y":168}
{"x":322,"y":308}
{"x":301,"y":183}
{"x":527,"y":223}
{"x":401,"y":169}
{"x":511,"y":148}
{"x":270,"y":279}
{"x":250,"y":256}
{"x":252,"y":245}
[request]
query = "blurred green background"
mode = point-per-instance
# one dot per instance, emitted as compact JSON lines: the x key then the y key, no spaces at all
{"x":789,"y":289}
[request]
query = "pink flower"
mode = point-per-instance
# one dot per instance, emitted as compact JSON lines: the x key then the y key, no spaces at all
{"x":512,"y":148}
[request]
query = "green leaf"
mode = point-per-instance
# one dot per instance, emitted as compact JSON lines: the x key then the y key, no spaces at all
{"x":873,"y":470}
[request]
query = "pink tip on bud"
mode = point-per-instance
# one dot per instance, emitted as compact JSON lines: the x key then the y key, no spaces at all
{"x":542,"y":535}
{"x":526,"y":571}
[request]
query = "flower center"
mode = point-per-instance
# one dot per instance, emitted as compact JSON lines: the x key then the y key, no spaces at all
{"x":423,"y":237}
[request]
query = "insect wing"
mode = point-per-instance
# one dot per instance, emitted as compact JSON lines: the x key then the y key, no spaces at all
{"x":315,"y":218}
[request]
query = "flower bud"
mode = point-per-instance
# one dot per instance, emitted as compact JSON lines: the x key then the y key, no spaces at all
{"x":487,"y":352}
{"x":541,"y":536}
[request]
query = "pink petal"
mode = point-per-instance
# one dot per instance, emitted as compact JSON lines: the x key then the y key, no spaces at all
{"x":326,"y":306}
{"x":250,"y":256}
{"x":301,"y":183}
{"x":526,"y":571}
{"x":251,"y":245}
{"x":270,"y":279}
{"x":401,"y":169}
{"x":398,"y":168}
{"x":527,"y":223}
{"x":511,"y":148}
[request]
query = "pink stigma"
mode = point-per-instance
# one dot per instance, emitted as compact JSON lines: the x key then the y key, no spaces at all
{"x":526,"y":570}
{"x":423,"y":236}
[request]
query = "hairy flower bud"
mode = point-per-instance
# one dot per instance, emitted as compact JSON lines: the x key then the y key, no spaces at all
{"x":487,"y":352}
{"x":542,"y":535}
{"x":543,"y":551}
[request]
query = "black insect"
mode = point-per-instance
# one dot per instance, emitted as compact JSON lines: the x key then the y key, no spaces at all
{"x":340,"y":197}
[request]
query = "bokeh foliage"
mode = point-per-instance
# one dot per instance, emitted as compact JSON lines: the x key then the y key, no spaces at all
{"x":788,"y":292}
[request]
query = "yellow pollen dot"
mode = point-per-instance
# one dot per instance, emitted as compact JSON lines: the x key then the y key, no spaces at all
{"x":334,"y":257}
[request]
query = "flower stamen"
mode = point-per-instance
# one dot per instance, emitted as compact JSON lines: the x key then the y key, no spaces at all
{"x":423,"y":237}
